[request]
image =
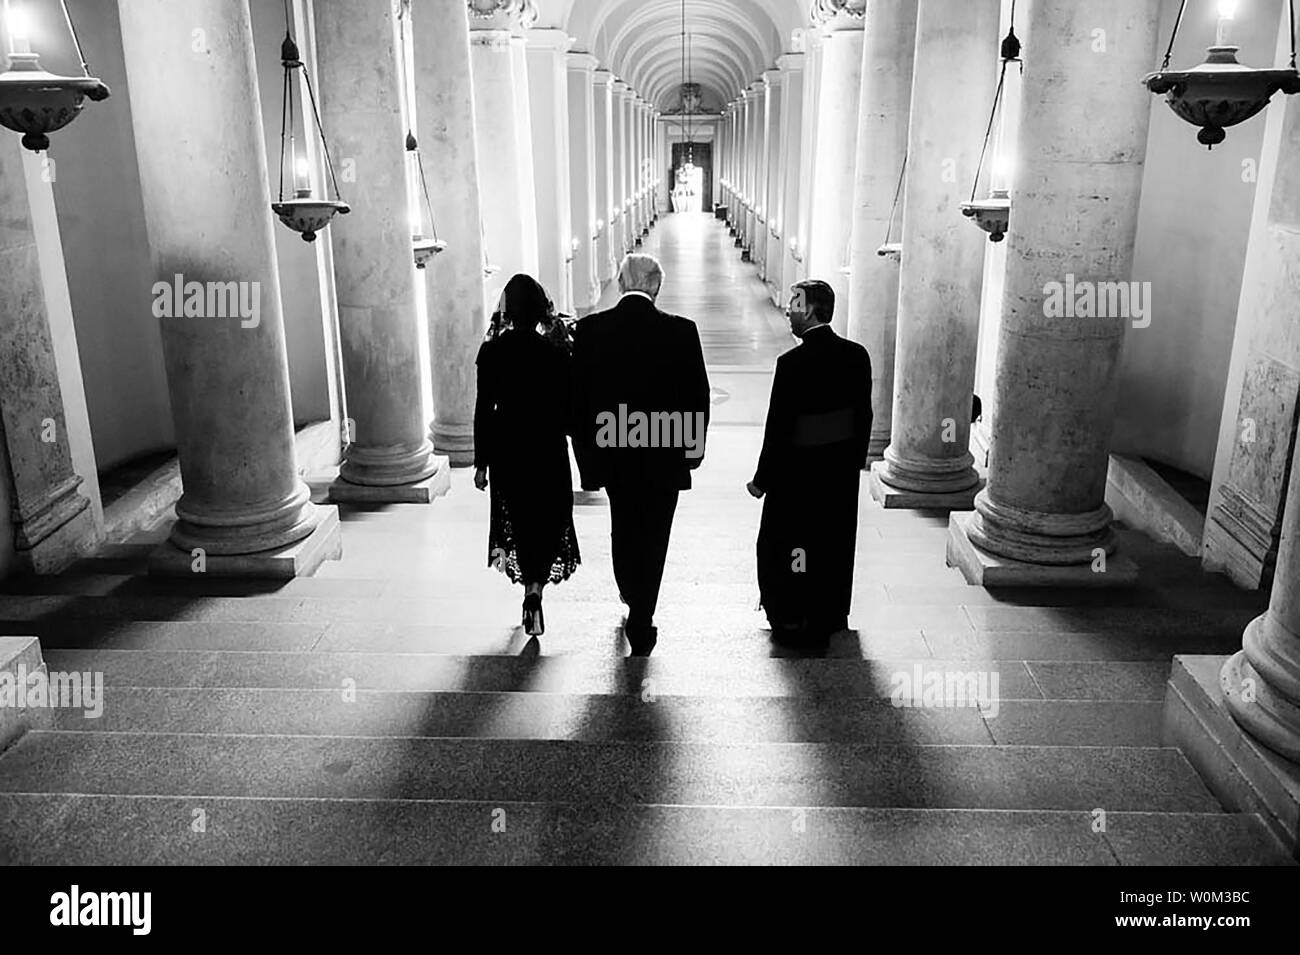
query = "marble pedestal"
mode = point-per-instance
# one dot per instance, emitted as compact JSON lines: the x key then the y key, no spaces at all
{"x":893,"y":498}
{"x":984,"y":569}
{"x":300,"y":559}
{"x":342,"y":491}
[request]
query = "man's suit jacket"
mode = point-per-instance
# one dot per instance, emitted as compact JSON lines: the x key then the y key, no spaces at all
{"x":819,"y":416}
{"x":635,"y":358}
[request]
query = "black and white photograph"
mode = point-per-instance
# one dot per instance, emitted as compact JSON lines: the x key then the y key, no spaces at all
{"x":631,"y":433}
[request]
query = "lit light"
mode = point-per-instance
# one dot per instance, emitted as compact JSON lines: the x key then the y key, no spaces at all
{"x":19,"y":29}
{"x":1004,"y":167}
{"x":1227,"y":10}
{"x":302,"y":177}
{"x":574,"y":243}
{"x":600,"y":225}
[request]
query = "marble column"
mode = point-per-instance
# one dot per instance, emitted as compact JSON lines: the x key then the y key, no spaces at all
{"x":792,"y":67}
{"x":53,"y":521}
{"x":812,"y":40}
{"x":524,"y":130}
{"x":882,"y":147}
{"x":770,"y":267}
{"x":831,"y":224}
{"x":603,"y":111}
{"x":1043,"y":518}
{"x":390,"y":457}
{"x":753,"y":155}
{"x":243,"y":505}
{"x":729,"y":156}
{"x":583,"y":207}
{"x":549,"y":103}
{"x":928,"y":463}
{"x":453,"y":279}
{"x":636,"y":167}
{"x":619,"y":232}
{"x":629,"y":171}
{"x":1269,"y":660}
{"x":509,"y":207}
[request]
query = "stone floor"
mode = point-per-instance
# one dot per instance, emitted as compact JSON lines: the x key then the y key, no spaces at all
{"x":464,"y":742}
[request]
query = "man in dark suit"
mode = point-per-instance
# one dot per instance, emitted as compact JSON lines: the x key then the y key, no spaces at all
{"x":814,"y":451}
{"x":641,"y":409}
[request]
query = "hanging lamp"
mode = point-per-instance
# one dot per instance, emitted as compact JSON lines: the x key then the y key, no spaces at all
{"x":893,"y":249}
{"x":1221,"y":92}
{"x":305,"y":212}
{"x":425,"y":245}
{"x":993,"y":214}
{"x":489,"y":269}
{"x":32,"y":101}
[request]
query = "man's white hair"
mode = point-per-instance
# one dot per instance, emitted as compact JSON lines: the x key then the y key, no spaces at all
{"x":640,"y":273}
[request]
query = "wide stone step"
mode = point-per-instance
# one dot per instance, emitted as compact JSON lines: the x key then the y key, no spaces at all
{"x":624,"y":718}
{"x":714,"y":676}
{"x":153,"y":830}
{"x":751,"y":774}
{"x":589,"y":630}
{"x":712,"y":580}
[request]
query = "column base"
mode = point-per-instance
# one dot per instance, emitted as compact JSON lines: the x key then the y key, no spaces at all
{"x":892,"y":498}
{"x":300,"y":559}
{"x":343,"y":491}
{"x":1243,"y":775}
{"x":983,"y":569}
{"x":453,"y":442}
{"x":1268,"y":663}
{"x":389,"y":465}
{"x":74,"y":539}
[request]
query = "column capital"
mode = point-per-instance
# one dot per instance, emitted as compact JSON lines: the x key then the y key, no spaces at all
{"x":756,"y":88}
{"x":622,"y":90}
{"x":602,"y":78}
{"x":513,"y":15}
{"x":772,"y":77}
{"x":579,"y":60}
{"x":548,"y":38}
{"x":790,"y":62}
{"x":832,"y":16}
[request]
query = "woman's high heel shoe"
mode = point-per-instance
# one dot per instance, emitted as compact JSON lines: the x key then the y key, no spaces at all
{"x":533,"y":623}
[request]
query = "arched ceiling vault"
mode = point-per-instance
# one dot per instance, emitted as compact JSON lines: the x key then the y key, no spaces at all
{"x":732,"y":41}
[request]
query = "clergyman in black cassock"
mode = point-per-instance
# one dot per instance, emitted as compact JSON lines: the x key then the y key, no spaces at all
{"x":814,"y":450}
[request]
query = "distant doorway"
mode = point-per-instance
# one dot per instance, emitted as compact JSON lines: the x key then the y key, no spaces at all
{"x":691,"y":189}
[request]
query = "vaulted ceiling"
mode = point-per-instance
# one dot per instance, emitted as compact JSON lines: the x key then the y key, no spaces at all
{"x":731,"y":41}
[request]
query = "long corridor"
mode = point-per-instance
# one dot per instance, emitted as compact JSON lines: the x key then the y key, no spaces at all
{"x":390,"y":710}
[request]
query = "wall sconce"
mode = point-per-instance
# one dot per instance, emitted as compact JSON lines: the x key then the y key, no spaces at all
{"x":573,"y":249}
{"x":794,"y":250}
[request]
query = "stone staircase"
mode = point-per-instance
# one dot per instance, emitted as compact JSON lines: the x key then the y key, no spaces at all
{"x":387,"y":710}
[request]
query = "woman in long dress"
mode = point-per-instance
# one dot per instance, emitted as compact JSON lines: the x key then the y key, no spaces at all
{"x":521,"y":444}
